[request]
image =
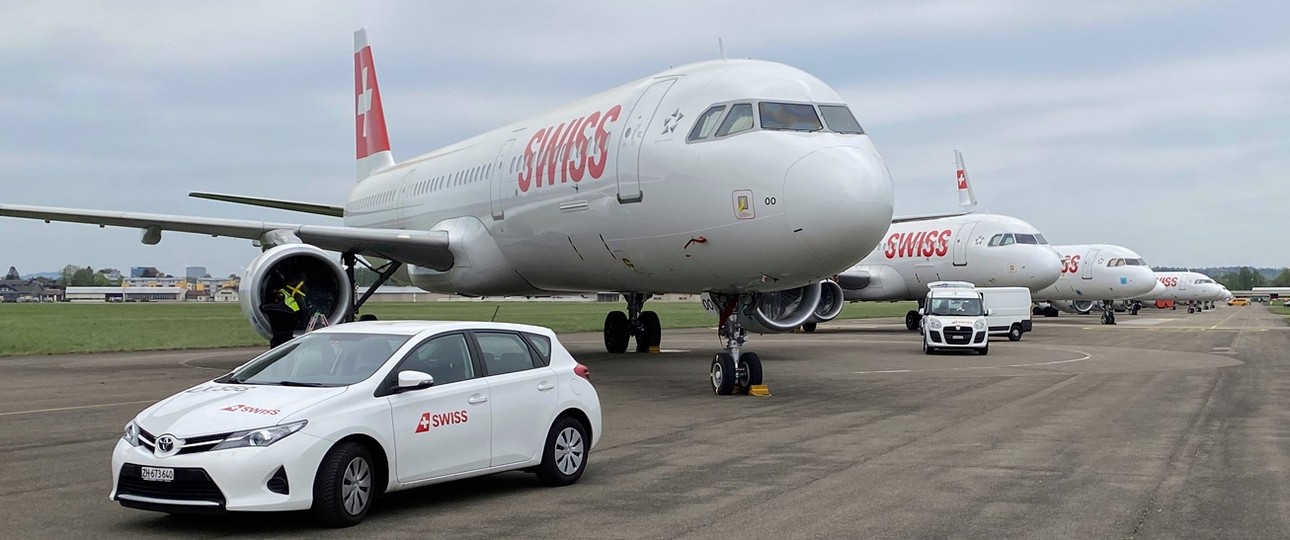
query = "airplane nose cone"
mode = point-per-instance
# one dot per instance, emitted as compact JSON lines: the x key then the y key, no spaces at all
{"x":1045,"y":267}
{"x":839,"y":198}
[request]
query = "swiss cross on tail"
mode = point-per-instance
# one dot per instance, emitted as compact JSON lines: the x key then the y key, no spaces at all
{"x":372,"y":142}
{"x":967,"y":200}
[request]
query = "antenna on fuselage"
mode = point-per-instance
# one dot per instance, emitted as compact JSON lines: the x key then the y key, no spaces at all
{"x":722,"y":48}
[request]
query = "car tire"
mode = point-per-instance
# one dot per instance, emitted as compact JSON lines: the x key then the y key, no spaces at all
{"x":345,"y":485}
{"x":722,"y":374}
{"x":926,"y":349}
{"x":983,"y":350}
{"x":564,"y":456}
{"x":1014,"y":333}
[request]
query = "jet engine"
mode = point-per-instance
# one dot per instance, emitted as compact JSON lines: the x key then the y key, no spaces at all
{"x":315,"y":280}
{"x":1079,"y":307}
{"x":831,"y":302}
{"x":783,"y":311}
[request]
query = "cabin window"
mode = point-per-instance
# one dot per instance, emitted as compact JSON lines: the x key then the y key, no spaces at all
{"x":707,"y":123}
{"x":739,"y":119}
{"x":840,"y":119}
{"x":789,"y":116}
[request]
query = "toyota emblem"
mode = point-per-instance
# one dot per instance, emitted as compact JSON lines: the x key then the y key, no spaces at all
{"x":167,"y":445}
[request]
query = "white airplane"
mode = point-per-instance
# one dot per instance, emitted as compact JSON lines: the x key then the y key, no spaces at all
{"x":749,"y":180}
{"x":1095,"y":275}
{"x":988,"y":250}
{"x":1194,"y":288}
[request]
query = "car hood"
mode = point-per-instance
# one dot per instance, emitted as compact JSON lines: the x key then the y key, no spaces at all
{"x":212,"y":408}
{"x":957,"y":321}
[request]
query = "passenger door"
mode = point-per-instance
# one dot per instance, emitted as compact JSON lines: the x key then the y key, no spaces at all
{"x":500,"y":180}
{"x":1090,"y":260}
{"x":523,"y":394}
{"x":635,"y":129}
{"x":447,"y":428}
{"x":961,"y":243}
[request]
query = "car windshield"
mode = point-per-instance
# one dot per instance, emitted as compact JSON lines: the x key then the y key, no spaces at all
{"x":319,"y":359}
{"x":966,"y":307}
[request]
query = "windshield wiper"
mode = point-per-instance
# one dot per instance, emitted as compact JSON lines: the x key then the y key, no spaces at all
{"x":303,"y":384}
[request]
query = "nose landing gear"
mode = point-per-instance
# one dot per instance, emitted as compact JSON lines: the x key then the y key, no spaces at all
{"x":1108,"y":312}
{"x":733,"y":371}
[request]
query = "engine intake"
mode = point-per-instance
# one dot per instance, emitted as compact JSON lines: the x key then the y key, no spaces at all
{"x":782,"y":311}
{"x":320,"y":279}
{"x":1078,"y":307}
{"x":831,"y":302}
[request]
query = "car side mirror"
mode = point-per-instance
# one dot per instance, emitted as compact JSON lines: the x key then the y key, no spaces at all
{"x":413,"y":380}
{"x":987,"y":313}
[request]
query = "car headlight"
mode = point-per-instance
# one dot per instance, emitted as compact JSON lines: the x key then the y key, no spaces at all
{"x":935,"y":325}
{"x":980,"y":325}
{"x":131,"y":434}
{"x":260,"y":437}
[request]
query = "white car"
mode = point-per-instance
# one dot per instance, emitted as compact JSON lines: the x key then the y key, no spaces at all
{"x":334,"y":418}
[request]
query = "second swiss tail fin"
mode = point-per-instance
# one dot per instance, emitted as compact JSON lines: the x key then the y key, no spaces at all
{"x":967,"y":199}
{"x":373,"y":142}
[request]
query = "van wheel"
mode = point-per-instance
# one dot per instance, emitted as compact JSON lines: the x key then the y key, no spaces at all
{"x":564,"y":457}
{"x":1014,"y":333}
{"x":344,"y":486}
{"x":983,"y":350}
{"x":926,"y":349}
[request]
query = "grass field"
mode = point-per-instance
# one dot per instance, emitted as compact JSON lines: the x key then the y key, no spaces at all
{"x":1280,"y":309}
{"x":30,"y":329}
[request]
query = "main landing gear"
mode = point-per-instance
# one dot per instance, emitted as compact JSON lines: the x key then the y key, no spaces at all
{"x":643,"y":325}
{"x":913,"y":318}
{"x":1108,"y":312}
{"x":1134,"y":306}
{"x":349,"y":260}
{"x":733,"y":371}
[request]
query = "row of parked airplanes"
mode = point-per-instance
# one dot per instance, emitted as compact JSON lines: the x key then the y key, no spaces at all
{"x":749,"y":181}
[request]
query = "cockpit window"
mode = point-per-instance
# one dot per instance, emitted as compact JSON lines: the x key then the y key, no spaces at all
{"x":739,"y":119}
{"x":707,"y":123}
{"x":1007,"y":240}
{"x":1202,"y":281}
{"x":1040,"y":238}
{"x":1026,"y":239}
{"x":789,"y":116}
{"x":840,"y":119}
{"x":994,"y":240}
{"x":1115,"y":262}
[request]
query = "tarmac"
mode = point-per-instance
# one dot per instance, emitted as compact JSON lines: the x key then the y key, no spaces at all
{"x":1167,"y":425}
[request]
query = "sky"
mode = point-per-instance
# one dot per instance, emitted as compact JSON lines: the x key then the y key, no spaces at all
{"x":1161,"y":126}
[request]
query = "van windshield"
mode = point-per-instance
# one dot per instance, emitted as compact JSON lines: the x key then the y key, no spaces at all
{"x":961,"y":307}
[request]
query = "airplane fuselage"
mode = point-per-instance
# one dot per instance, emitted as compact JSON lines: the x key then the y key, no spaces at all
{"x":956,"y":248}
{"x":607,"y":194}
{"x":1099,"y":272}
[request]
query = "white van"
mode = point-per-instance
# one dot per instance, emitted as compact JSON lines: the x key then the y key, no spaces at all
{"x":1009,"y":310}
{"x":954,"y":318}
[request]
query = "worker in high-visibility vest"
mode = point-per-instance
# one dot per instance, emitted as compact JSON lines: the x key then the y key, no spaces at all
{"x":282,"y":319}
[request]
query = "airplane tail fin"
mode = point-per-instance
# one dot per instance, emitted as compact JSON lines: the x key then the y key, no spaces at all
{"x":373,"y":142}
{"x":967,"y":199}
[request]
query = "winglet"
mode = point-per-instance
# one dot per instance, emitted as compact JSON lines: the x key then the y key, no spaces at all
{"x":372,"y":148}
{"x":967,"y":199}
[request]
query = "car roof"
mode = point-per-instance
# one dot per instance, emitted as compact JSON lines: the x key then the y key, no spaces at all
{"x":411,"y":328}
{"x":954,"y":293}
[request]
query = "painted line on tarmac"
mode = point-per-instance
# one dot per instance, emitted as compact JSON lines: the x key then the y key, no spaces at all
{"x":1220,"y":323}
{"x":1085,"y":356}
{"x":82,"y":407}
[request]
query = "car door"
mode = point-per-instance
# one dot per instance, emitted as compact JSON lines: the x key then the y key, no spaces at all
{"x":446,"y":428}
{"x":523,"y":393}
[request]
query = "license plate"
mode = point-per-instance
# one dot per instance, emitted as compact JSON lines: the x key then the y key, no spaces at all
{"x":157,"y":474}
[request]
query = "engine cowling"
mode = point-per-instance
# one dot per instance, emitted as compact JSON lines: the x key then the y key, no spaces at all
{"x":1079,"y":307}
{"x":831,"y":302}
{"x":781,"y":311}
{"x":320,"y":278}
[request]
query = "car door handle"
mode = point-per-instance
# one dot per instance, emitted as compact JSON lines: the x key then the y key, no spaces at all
{"x":477,"y":399}
{"x":544,"y":386}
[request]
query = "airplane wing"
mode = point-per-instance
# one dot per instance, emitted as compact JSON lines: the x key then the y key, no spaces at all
{"x":422,"y":248}
{"x":294,"y":206}
{"x":967,"y":199}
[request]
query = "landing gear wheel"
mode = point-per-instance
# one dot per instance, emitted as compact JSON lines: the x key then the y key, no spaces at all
{"x":616,"y":332}
{"x":747,"y":372}
{"x":983,"y":350}
{"x":565,"y":455}
{"x":344,"y":486}
{"x":651,"y":332}
{"x":808,"y":327}
{"x":723,"y":374}
{"x":1191,"y":310}
{"x":1133,"y":310}
{"x":1050,"y":311}
{"x":911,"y":320}
{"x":1108,"y":317}
{"x":1014,"y":333}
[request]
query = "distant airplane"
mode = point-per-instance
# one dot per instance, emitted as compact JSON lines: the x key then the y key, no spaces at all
{"x":1095,"y":275}
{"x":1194,"y":288}
{"x":749,"y":180}
{"x":988,"y":250}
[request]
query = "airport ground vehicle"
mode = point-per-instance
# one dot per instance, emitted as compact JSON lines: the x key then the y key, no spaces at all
{"x":954,"y":318}
{"x":1008,"y":310}
{"x":333,"y":419}
{"x":1238,"y":302}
